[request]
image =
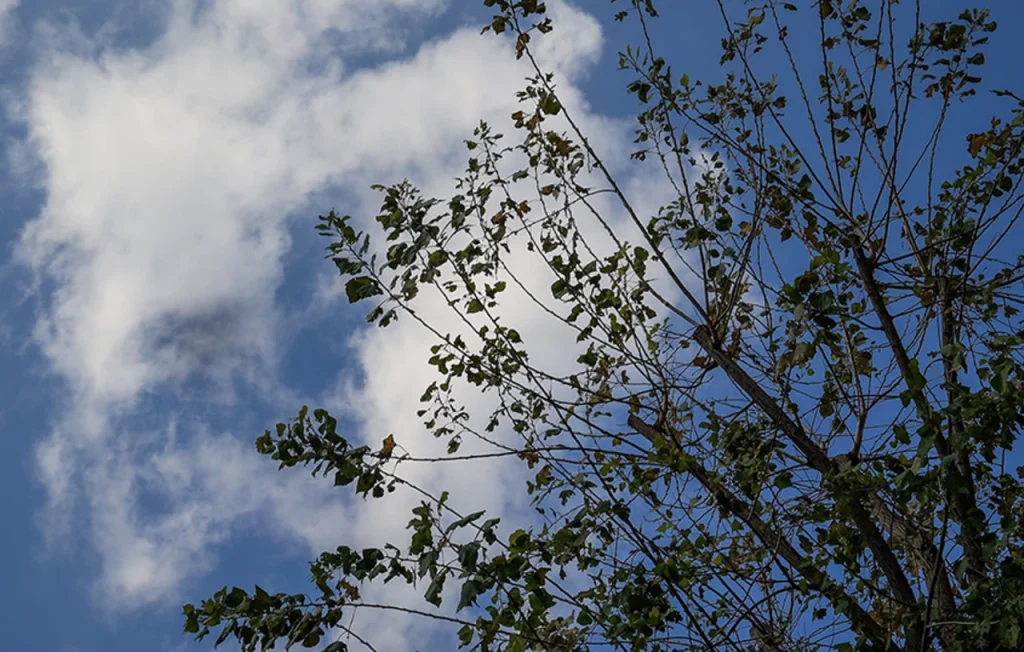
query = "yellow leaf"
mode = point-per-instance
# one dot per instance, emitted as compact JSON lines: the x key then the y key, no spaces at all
{"x":387,"y":446}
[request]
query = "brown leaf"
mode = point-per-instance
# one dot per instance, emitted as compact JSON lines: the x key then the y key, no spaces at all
{"x":350,"y":591}
{"x":521,"y":42}
{"x":975,"y":142}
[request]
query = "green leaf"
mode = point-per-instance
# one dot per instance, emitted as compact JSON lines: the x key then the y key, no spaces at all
{"x":312,"y":639}
{"x":361,"y":287}
{"x":916,"y":382}
{"x":428,"y":563}
{"x":559,"y":288}
{"x":468,"y":555}
{"x":470,"y":590}
{"x":550,"y":105}
{"x":464,"y":521}
{"x":1000,"y":378}
{"x":225,"y":633}
{"x":900,"y":432}
{"x":1009,"y":634}
{"x":433,"y":594}
{"x":235,"y":598}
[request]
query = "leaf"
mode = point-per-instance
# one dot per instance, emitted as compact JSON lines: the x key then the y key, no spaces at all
{"x":1000,"y":377}
{"x":225,"y":633}
{"x":1009,"y":634}
{"x":470,"y":591}
{"x":312,"y":639}
{"x":559,"y":288}
{"x":438,"y":258}
{"x":351,"y":592}
{"x":901,"y":434}
{"x":550,"y":105}
{"x":521,"y":42}
{"x":464,"y":521}
{"x":428,"y":563}
{"x":544,"y":475}
{"x":433,"y":594}
{"x":975,"y":142}
{"x":235,"y":598}
{"x":361,"y":287}
{"x":387,"y":446}
{"x":468,"y":556}
{"x":365,"y":483}
{"x":916,"y":381}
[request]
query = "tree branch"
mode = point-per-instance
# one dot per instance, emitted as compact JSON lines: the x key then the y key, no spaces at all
{"x":961,"y":496}
{"x":772,"y":539}
{"x":817,"y":459}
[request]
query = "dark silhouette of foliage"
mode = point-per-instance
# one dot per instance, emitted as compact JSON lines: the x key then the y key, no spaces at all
{"x":791,"y":422}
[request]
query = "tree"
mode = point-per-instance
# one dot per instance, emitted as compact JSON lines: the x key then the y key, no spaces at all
{"x":792,"y":420}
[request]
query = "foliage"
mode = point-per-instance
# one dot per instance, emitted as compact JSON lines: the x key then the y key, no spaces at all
{"x":791,"y":422}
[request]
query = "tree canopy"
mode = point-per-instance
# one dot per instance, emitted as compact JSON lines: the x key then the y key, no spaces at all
{"x":792,"y":421}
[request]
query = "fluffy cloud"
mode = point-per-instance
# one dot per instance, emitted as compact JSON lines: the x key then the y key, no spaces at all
{"x":170,"y":172}
{"x":169,"y":175}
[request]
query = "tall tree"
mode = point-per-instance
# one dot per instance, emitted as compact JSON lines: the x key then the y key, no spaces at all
{"x":792,"y":420}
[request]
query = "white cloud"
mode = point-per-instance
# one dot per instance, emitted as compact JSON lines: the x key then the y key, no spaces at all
{"x":7,"y":8}
{"x":169,"y":174}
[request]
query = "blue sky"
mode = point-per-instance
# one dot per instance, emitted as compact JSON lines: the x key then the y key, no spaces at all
{"x":164,"y":297}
